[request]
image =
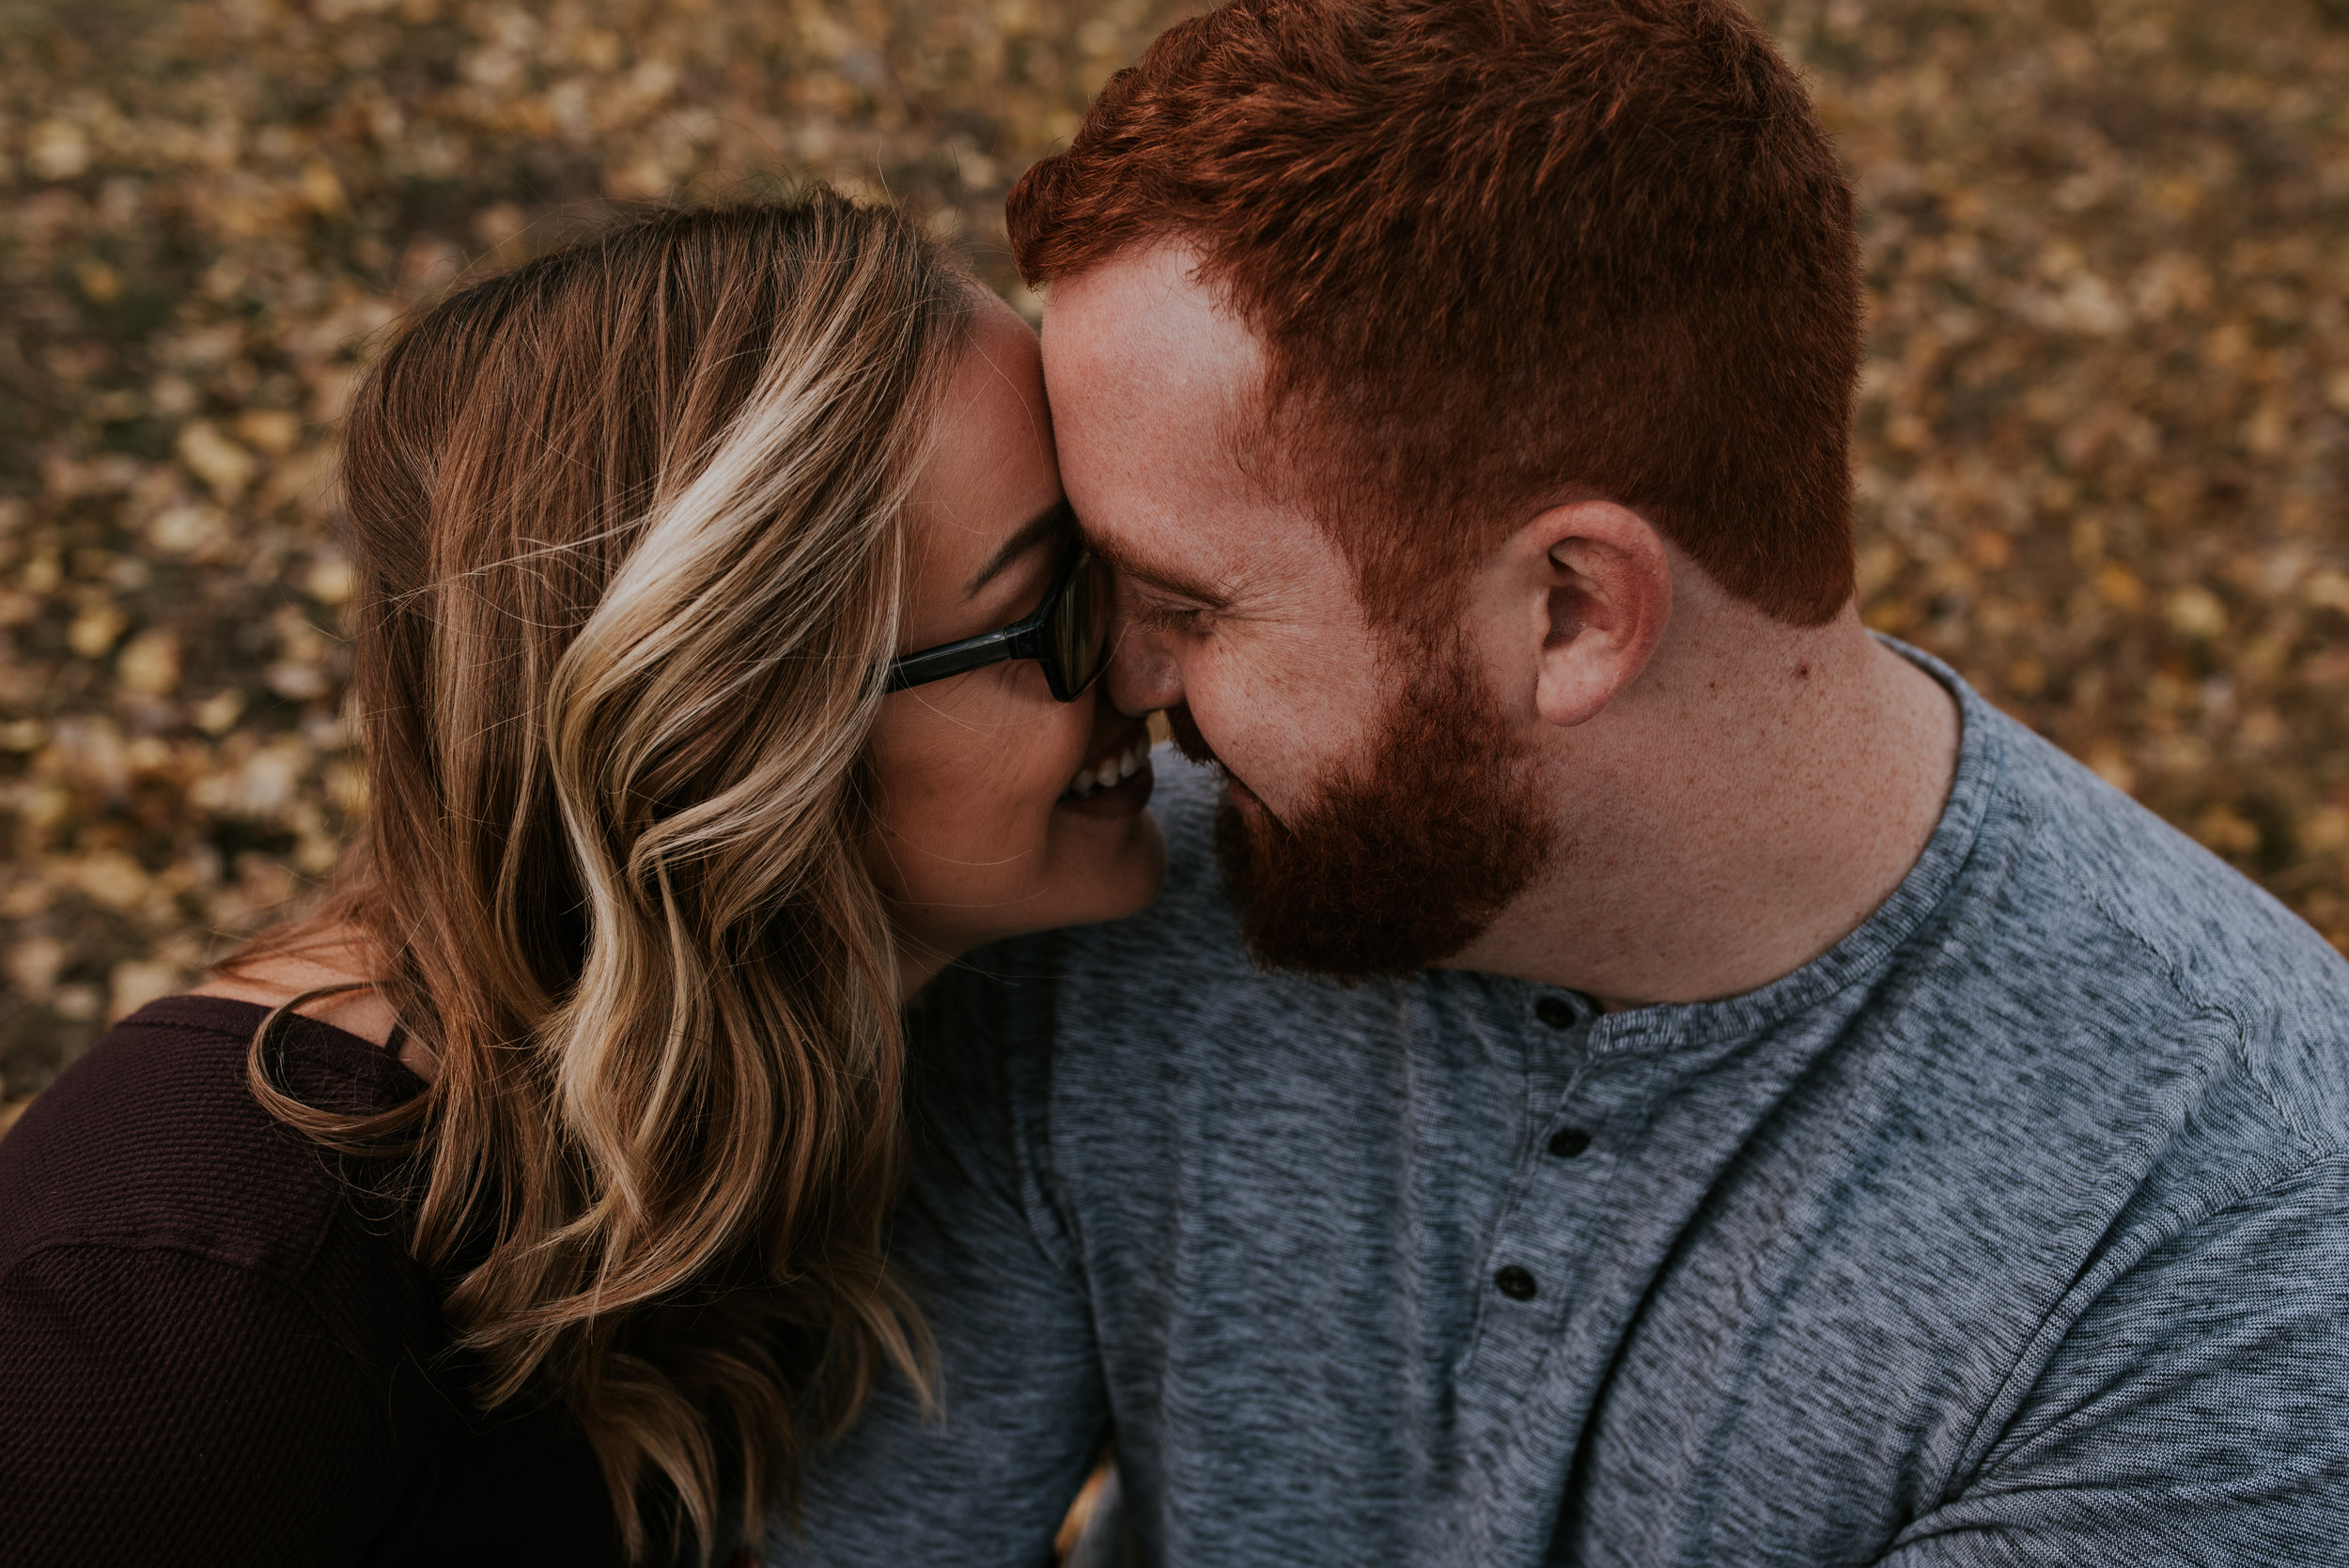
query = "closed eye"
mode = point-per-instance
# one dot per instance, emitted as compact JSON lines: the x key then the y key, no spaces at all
{"x":1161,"y":616}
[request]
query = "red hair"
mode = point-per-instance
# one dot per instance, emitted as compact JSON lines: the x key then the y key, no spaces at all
{"x":1504,"y":252}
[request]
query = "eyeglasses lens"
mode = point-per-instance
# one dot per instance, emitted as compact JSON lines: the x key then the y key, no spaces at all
{"x":1080,"y":625}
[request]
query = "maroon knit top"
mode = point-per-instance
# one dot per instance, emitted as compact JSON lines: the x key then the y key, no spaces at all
{"x":213,"y":1351}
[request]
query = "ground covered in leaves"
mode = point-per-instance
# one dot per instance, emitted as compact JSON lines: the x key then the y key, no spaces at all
{"x":2102,"y":460}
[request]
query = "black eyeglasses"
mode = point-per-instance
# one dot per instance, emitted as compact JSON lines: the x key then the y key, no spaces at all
{"x":1068,"y":635}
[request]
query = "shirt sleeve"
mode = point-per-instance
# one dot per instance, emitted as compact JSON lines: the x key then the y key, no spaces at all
{"x":157,"y":1407}
{"x":2197,"y":1412}
{"x":986,"y":1478}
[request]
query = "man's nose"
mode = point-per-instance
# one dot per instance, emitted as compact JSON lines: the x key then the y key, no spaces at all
{"x":1142,"y":675}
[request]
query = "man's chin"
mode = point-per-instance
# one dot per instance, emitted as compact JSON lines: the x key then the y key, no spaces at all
{"x":1396,"y":864}
{"x":1347,"y":912}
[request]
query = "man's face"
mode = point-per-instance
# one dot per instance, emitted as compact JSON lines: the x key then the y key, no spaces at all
{"x":1381,"y":806}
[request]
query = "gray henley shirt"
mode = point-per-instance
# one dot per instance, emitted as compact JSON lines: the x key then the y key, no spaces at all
{"x":2013,"y":1230}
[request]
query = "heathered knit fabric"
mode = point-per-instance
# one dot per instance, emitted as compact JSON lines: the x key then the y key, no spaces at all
{"x":2015,"y":1230}
{"x":211,"y":1352}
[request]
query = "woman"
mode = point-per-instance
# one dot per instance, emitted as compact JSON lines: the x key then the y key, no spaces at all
{"x":525,"y":1202}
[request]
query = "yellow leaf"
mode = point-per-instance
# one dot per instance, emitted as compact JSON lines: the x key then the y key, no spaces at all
{"x":150,"y":663}
{"x":93,"y":632}
{"x":2121,"y":587}
{"x":271,"y":429}
{"x":323,"y":191}
{"x":2196,"y":612}
{"x":213,"y":457}
{"x":2226,"y":831}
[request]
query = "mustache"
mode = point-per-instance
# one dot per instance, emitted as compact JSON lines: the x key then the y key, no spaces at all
{"x":1188,"y":740}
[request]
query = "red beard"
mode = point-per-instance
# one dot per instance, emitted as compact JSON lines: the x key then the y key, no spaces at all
{"x":1394,"y":866}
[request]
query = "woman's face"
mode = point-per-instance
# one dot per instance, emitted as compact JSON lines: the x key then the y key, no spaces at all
{"x":980,"y":832}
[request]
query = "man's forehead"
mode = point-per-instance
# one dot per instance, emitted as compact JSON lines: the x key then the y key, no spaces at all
{"x":1147,"y":376}
{"x":1144,"y":321}
{"x":1155,"y":388}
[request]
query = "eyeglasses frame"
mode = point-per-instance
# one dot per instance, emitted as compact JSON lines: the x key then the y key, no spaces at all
{"x":1030,"y":637}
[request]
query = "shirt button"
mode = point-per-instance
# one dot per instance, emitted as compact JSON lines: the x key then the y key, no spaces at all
{"x":1515,"y":1284}
{"x":1557,"y":1011}
{"x":1566,"y":1143}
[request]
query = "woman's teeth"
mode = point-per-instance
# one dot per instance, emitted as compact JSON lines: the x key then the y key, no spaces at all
{"x":1112,"y":771}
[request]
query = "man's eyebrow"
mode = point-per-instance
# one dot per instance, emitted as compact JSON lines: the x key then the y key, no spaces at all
{"x":1055,"y":519}
{"x":1161,"y":578}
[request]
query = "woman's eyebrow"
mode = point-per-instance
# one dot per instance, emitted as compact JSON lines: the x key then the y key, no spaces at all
{"x":1054,"y":519}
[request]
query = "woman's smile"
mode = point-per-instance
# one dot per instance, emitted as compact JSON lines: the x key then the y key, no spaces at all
{"x":998,"y":808}
{"x":1116,"y":780}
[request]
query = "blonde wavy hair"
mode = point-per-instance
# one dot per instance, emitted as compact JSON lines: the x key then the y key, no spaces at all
{"x":628,"y":530}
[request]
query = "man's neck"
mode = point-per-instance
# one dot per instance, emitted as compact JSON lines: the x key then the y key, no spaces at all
{"x":1760,"y":793}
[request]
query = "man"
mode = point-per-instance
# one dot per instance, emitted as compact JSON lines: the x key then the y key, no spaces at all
{"x":1628,"y":1067}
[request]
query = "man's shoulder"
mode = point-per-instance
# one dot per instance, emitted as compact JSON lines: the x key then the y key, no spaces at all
{"x":2103,"y":898}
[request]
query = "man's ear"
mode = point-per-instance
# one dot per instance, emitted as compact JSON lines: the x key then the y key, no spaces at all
{"x":1601,"y":592}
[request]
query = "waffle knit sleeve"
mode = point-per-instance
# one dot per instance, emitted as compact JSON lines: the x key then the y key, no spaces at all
{"x":159,"y":1407}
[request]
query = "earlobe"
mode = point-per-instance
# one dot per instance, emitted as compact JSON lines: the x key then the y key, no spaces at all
{"x":1607,"y":590}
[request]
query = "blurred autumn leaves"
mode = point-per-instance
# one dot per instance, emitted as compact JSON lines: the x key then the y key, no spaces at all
{"x":2102,"y":457}
{"x":207,"y":211}
{"x":2102,"y":432}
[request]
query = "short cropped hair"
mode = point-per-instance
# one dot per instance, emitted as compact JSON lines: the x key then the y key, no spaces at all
{"x":1503,"y":254}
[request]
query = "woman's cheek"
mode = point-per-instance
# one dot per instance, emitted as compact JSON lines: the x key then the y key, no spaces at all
{"x":1001,"y":808}
{"x":912,"y":807}
{"x":1027,"y":826}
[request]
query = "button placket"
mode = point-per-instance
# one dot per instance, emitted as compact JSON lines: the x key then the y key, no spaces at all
{"x":1564,"y":1013}
{"x":1570,"y":1176}
{"x":1534,"y":1248}
{"x":1560,"y":1229}
{"x":1537,"y":1275}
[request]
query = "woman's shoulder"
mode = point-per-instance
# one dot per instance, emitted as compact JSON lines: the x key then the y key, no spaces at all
{"x":153,"y":1140}
{"x":208,"y":1351}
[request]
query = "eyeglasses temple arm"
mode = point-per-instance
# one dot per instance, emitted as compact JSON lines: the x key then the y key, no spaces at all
{"x":972,"y":652}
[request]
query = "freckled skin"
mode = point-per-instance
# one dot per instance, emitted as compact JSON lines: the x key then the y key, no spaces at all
{"x":1720,"y":824}
{"x":1286,"y":678}
{"x":972,"y":841}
